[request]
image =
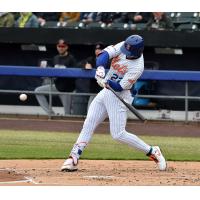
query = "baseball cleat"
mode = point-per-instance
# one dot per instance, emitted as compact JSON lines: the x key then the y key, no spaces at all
{"x":69,"y":165}
{"x":157,"y":156}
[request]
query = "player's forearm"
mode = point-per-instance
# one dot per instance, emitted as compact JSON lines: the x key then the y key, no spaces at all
{"x":115,"y":85}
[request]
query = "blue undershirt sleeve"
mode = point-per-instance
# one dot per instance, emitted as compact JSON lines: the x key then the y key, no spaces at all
{"x":115,"y":85}
{"x":102,"y":59}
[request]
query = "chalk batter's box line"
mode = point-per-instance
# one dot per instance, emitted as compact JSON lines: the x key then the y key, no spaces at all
{"x":26,"y":180}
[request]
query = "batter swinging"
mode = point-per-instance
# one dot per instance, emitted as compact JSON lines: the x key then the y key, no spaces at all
{"x":126,"y":67}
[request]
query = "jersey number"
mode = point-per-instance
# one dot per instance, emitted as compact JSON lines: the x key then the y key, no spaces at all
{"x":116,"y":78}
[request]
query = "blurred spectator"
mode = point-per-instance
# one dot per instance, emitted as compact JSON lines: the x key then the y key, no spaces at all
{"x":88,"y":17}
{"x":44,"y":17}
{"x":64,"y":59}
{"x":7,"y":19}
{"x":69,"y":17}
{"x":159,"y":20}
{"x":135,"y":17}
{"x":27,"y":20}
{"x":88,"y":63}
{"x":86,"y":85}
{"x":108,"y":17}
{"x":140,"y":17}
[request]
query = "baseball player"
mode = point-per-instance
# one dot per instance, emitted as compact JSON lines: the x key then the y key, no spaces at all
{"x":126,"y":67}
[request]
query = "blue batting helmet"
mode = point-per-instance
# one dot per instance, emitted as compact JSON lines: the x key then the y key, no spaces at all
{"x":133,"y":46}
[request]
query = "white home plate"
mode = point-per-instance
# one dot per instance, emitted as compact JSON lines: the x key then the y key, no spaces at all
{"x":10,"y":176}
{"x":99,"y":177}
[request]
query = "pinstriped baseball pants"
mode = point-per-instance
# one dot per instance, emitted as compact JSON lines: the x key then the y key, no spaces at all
{"x":104,"y":105}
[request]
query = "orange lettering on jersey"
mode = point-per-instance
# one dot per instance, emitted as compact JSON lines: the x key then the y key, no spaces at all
{"x":114,"y":60}
{"x":122,"y":69}
{"x":118,"y":67}
{"x":131,"y":81}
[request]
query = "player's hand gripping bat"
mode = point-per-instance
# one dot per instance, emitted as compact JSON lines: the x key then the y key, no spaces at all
{"x":130,"y":107}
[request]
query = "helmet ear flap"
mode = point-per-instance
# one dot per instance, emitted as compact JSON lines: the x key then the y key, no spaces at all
{"x":140,"y":51}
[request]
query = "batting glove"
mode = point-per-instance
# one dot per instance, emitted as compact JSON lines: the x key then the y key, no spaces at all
{"x":100,"y":72}
{"x":102,"y":82}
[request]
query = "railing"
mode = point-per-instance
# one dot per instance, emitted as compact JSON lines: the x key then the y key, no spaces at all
{"x":162,"y":75}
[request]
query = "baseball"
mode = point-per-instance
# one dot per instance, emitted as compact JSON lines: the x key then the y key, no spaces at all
{"x":23,"y":97}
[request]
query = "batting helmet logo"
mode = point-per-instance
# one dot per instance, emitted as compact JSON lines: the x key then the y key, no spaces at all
{"x":128,"y":47}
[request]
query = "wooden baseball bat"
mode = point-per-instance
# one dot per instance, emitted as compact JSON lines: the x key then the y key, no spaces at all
{"x":129,"y":106}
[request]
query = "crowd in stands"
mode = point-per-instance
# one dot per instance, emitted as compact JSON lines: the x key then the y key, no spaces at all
{"x":149,"y":20}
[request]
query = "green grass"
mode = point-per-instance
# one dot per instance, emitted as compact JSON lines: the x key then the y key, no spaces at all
{"x":52,"y":145}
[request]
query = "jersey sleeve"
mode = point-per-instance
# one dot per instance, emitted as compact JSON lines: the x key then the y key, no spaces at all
{"x":132,"y":75}
{"x":114,"y":50}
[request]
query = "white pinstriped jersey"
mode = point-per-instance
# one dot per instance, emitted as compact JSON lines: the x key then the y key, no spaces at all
{"x":123,"y":70}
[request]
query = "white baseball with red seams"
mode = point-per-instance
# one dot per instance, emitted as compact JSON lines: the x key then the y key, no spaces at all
{"x":23,"y":97}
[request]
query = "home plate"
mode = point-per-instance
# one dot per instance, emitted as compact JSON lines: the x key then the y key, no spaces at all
{"x":9,"y":176}
{"x":99,"y":177}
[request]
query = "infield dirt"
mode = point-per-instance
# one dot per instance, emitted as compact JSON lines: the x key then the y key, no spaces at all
{"x":99,"y":173}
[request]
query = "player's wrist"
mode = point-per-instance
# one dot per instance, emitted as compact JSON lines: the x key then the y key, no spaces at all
{"x":102,"y":82}
{"x":100,"y":72}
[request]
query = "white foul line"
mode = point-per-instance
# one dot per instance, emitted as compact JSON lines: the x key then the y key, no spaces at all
{"x":28,"y":180}
{"x":99,"y":177}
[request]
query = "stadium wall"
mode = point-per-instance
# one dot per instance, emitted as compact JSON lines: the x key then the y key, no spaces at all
{"x":168,"y":50}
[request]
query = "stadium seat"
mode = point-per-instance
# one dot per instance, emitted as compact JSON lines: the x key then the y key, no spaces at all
{"x":96,"y":25}
{"x":118,"y":26}
{"x":191,"y":27}
{"x":180,"y":22}
{"x":196,"y":14}
{"x":182,"y":14}
{"x":197,"y":18}
{"x":55,"y":24}
{"x":179,"y":18}
{"x":50,"y":24}
{"x":186,"y":14}
{"x":197,"y":22}
{"x":140,"y":26}
{"x":74,"y":25}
